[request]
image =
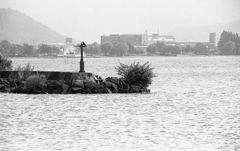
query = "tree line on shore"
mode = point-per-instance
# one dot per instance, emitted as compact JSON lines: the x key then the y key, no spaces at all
{"x":228,"y":44}
{"x":26,"y":50}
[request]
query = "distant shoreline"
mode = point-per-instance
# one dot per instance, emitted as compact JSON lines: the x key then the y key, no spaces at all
{"x":96,"y":56}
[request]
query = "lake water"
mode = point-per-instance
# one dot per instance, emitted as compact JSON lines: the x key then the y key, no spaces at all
{"x":194,"y":104}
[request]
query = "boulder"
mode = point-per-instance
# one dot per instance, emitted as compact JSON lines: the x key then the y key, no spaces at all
{"x":78,"y":90}
{"x":46,"y":90}
{"x":108,"y":84}
{"x":6,"y":90}
{"x":114,"y":88}
{"x":121,"y":90}
{"x":125,"y":83}
{"x":92,"y":79}
{"x":88,"y":91}
{"x":4,"y":82}
{"x":113,"y":80}
{"x":68,"y":82}
{"x":118,"y":85}
{"x":65,"y":88}
{"x":135,"y":88}
{"x":78,"y":83}
{"x":57,"y":90}
{"x":145,"y":90}
{"x":37,"y":90}
{"x":50,"y":87}
{"x":2,"y":87}
{"x":22,"y":90}
{"x":100,"y":88}
{"x":89,"y":85}
{"x":111,"y":86}
{"x":55,"y":86}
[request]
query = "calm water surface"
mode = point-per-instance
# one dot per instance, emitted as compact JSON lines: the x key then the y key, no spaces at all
{"x":194,"y":104}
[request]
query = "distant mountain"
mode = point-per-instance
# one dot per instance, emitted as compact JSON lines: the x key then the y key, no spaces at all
{"x":201,"y":34}
{"x":19,"y":28}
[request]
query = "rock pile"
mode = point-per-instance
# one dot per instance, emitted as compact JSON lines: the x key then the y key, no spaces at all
{"x":68,"y":83}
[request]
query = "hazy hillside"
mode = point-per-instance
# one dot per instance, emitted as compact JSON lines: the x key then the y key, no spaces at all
{"x":201,"y":34}
{"x":17,"y":27}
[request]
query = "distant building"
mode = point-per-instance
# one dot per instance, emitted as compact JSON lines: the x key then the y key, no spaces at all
{"x":143,"y":40}
{"x":135,"y":39}
{"x":67,"y":48}
{"x":213,"y":39}
{"x":161,"y":38}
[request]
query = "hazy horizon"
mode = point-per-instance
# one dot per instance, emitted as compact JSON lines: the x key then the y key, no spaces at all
{"x":89,"y":19}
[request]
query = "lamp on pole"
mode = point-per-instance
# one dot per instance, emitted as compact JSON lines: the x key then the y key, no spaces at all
{"x":81,"y":60}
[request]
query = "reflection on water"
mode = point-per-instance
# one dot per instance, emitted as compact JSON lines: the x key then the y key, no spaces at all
{"x":194,"y":105}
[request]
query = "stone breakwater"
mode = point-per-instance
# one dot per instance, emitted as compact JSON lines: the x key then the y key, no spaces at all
{"x":67,"y":83}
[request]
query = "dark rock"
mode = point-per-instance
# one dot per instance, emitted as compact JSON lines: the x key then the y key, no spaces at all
{"x":79,"y":83}
{"x":108,"y":84}
{"x":88,"y":91}
{"x":90,"y":85}
{"x":50,"y":87}
{"x":4,"y":82}
{"x":12,"y":84}
{"x":125,"y":84}
{"x":126,"y":81}
{"x":135,"y":88}
{"x":46,"y":90}
{"x":111,"y":86}
{"x":38,"y":90}
{"x":77,"y":90}
{"x":120,"y":90}
{"x":65,"y":88}
{"x":118,"y":84}
{"x":22,"y":90}
{"x":114,"y":88}
{"x":103,"y":84}
{"x":100,"y":88}
{"x":113,"y":80}
{"x":55,"y":86}
{"x":144,"y":90}
{"x":57,"y":90}
{"x":109,"y":91}
{"x":18,"y":83}
{"x":6,"y":90}
{"x":2,"y":87}
{"x":68,"y":82}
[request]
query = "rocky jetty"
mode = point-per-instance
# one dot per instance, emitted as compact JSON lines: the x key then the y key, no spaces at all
{"x":67,"y":83}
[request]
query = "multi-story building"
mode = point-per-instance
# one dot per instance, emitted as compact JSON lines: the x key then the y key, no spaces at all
{"x":161,"y":38}
{"x":143,"y":40}
{"x":213,"y":39}
{"x":135,"y":39}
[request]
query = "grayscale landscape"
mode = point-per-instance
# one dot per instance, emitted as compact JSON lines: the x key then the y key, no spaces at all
{"x":192,"y":46}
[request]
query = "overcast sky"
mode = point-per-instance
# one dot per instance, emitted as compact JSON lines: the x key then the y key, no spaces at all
{"x":87,"y":20}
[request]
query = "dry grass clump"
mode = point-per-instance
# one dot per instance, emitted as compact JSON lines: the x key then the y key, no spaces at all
{"x":36,"y":81}
{"x":24,"y":71}
{"x":136,"y":73}
{"x":5,"y":63}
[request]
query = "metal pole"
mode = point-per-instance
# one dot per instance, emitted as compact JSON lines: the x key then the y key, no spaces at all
{"x":81,"y":61}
